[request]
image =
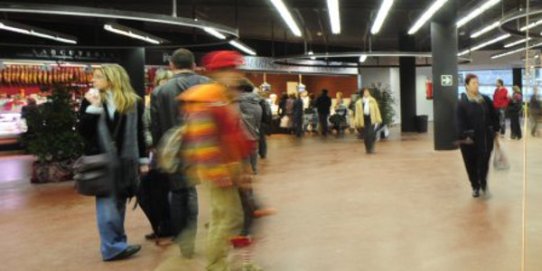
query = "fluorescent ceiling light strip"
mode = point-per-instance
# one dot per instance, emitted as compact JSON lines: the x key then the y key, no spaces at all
{"x":485,"y":30}
{"x":35,"y":33}
{"x":489,"y":42}
{"x":477,"y":11}
{"x":130,"y":34}
{"x":381,"y":16}
{"x":484,"y":44}
{"x":287,"y":17}
{"x":531,"y":25}
{"x":242,"y":47}
{"x":426,"y":16}
{"x":464,"y":52}
{"x":362,"y":58}
{"x":334,"y":16}
{"x":512,"y":44}
{"x":515,"y":51}
{"x":214,"y":33}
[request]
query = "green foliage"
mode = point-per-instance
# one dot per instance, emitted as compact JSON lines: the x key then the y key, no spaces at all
{"x":385,"y":101}
{"x":51,"y":135}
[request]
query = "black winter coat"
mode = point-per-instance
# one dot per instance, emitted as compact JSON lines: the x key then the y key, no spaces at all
{"x":478,"y":121}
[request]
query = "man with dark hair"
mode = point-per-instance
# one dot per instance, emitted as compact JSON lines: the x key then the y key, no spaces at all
{"x":182,"y":59}
{"x":323,"y":104}
{"x":500,"y":102}
{"x":165,"y":114}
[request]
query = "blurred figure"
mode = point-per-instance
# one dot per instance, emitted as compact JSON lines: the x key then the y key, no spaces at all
{"x":265,"y":128}
{"x":282,"y":104}
{"x":251,"y":113}
{"x":310,"y":116}
{"x":181,"y":194}
{"x":352,"y":107}
{"x":535,"y":110}
{"x":111,"y":119}
{"x":368,"y":117}
{"x":478,"y":127}
{"x":323,"y":104}
{"x":161,"y":78}
{"x":214,"y":148}
{"x":339,"y":119}
{"x":297,"y":116}
{"x":500,"y":102}
{"x":514,"y":109}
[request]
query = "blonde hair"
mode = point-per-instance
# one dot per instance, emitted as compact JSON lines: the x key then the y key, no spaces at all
{"x":124,"y":96}
{"x":162,"y":74}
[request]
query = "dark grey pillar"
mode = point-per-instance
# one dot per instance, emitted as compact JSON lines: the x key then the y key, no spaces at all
{"x":407,"y":74}
{"x":444,"y":50}
{"x":133,"y":60}
{"x":517,"y":77}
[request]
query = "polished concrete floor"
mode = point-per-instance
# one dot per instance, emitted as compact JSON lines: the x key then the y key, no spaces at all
{"x":405,"y":208}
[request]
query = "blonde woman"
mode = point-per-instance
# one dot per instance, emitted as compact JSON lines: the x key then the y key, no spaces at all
{"x":110,"y":122}
{"x":367,"y":117}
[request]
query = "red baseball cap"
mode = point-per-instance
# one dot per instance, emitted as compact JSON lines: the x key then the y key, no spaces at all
{"x":222,"y":60}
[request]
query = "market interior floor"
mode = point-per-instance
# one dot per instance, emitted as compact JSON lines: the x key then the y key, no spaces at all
{"x":407,"y":207}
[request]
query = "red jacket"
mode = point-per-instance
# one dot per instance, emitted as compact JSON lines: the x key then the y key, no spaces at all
{"x":500,"y":98}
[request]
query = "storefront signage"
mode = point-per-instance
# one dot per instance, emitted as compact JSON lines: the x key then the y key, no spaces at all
{"x":64,"y":54}
{"x":446,"y":80}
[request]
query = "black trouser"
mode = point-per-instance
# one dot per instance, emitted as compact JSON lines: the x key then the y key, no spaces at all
{"x":477,"y":163}
{"x":262,"y":144}
{"x":298,"y":127}
{"x":184,"y":218}
{"x":248,"y":201}
{"x":323,"y":123}
{"x":369,"y":135}
{"x":515,"y":125}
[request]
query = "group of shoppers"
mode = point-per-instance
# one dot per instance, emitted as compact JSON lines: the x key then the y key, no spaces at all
{"x":508,"y":105}
{"x":367,"y":117}
{"x":220,"y":121}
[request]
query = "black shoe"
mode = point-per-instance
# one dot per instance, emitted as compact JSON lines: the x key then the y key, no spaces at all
{"x":154,"y":236}
{"x":476,"y":193}
{"x":151,"y":236}
{"x":129,"y":251}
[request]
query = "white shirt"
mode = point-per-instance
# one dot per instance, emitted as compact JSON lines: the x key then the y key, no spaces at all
{"x":366,"y":110}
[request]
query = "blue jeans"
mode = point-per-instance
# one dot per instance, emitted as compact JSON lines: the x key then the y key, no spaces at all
{"x":110,"y":217}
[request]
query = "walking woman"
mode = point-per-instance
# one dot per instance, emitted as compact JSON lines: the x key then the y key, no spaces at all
{"x":367,"y":117}
{"x":514,"y":109}
{"x":478,"y":127}
{"x":111,"y":118}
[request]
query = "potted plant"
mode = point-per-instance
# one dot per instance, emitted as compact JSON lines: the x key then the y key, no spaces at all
{"x":52,"y":137}
{"x":385,"y":100}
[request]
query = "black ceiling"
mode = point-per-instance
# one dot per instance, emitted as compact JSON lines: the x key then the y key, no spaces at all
{"x":259,"y":24}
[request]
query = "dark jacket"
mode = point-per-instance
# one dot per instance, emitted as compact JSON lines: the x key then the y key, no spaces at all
{"x":298,"y":111}
{"x":323,"y":104}
{"x":164,"y":105}
{"x":251,"y":110}
{"x":478,"y":121}
{"x":166,"y":113}
{"x":126,"y":177}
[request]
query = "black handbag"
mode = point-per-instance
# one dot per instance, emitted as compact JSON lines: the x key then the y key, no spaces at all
{"x":93,"y":173}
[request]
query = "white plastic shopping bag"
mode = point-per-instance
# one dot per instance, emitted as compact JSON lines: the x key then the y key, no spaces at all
{"x":500,"y":160}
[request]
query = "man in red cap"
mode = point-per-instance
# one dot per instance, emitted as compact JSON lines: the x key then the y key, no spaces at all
{"x":215,"y":147}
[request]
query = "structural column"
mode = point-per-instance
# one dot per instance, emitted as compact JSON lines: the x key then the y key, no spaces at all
{"x":407,"y":75}
{"x":517,"y":77}
{"x":445,"y":77}
{"x":133,"y":61}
